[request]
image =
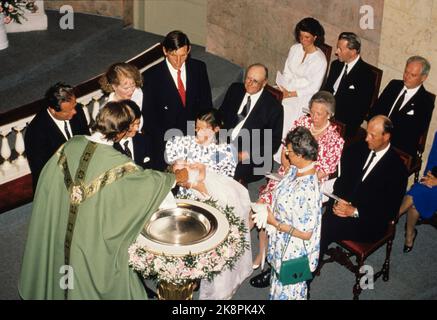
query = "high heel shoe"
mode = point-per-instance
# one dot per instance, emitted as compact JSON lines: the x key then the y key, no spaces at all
{"x":256,"y":266}
{"x":409,"y":248}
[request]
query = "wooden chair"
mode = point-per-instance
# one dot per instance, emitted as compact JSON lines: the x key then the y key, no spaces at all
{"x":377,"y":84}
{"x":327,"y":50}
{"x":275,"y":92}
{"x":347,"y":249}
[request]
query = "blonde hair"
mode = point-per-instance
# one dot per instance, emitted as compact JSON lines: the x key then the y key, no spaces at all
{"x":116,"y":72}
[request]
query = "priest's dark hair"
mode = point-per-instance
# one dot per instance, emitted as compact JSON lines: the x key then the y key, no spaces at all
{"x":114,"y":118}
{"x":131,"y":104}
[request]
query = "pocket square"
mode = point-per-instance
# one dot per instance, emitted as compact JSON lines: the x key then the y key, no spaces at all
{"x":166,"y":108}
{"x":351,"y":86}
{"x":410,"y":113}
{"x":146,"y":159}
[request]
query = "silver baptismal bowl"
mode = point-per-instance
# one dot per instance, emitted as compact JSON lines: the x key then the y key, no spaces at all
{"x":190,"y":228}
{"x":185,"y":225}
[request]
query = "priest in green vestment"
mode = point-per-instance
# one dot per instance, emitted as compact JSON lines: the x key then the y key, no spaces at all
{"x":91,"y":203}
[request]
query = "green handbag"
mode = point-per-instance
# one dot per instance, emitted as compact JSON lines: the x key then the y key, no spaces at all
{"x":295,"y":270}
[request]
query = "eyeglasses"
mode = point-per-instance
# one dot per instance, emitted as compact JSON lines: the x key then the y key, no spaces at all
{"x":253,"y":81}
{"x":288,"y":151}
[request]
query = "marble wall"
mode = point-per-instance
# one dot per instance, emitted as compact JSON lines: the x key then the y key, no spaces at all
{"x":161,"y":17}
{"x":110,"y":8}
{"x":410,"y":28}
{"x":247,"y":31}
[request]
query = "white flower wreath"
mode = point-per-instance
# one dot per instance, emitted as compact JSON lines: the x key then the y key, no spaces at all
{"x":206,"y":265}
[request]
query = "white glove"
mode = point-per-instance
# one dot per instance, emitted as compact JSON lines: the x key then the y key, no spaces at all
{"x":270,"y":229}
{"x":260,"y":214}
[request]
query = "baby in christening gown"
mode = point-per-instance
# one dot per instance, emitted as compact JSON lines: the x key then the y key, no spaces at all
{"x":205,"y":184}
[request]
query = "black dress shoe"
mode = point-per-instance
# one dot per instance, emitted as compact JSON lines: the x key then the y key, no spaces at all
{"x":262,"y":280}
{"x":408,"y":248}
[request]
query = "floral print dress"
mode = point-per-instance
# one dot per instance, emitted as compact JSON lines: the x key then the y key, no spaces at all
{"x":328,"y":156}
{"x":297,"y":201}
{"x":221,"y":158}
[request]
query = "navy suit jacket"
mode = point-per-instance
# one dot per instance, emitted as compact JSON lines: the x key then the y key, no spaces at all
{"x":411,"y":121}
{"x":141,"y":146}
{"x":43,"y":138}
{"x":377,"y":198}
{"x":354,"y":98}
{"x":267,"y":113}
{"x":162,"y":106}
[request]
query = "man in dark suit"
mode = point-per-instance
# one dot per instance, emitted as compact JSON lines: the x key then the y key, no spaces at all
{"x":256,"y":118}
{"x":175,"y":91}
{"x":52,"y":127}
{"x":352,"y":82}
{"x":135,"y":144}
{"x":370,"y":187}
{"x":408,"y":105}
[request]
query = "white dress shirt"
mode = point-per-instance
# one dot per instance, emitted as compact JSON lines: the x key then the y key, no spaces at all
{"x":410,"y":93}
{"x":60,"y":124}
{"x":350,"y":65}
{"x":174,"y":74}
{"x":253,"y":100}
{"x":130,"y":145}
{"x":378,"y":155}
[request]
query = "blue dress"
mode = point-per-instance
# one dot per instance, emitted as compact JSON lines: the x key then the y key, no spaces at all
{"x":424,"y":198}
{"x":297,"y":201}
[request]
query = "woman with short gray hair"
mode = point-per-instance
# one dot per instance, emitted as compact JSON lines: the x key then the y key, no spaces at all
{"x":322,"y":108}
{"x":295,"y":214}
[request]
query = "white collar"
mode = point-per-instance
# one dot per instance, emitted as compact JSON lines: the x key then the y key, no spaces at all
{"x":351,"y":64}
{"x":173,"y":70}
{"x":411,"y":92}
{"x":97,"y":137}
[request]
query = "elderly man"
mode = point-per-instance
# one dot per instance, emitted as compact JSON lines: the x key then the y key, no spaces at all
{"x":175,"y":91}
{"x":370,"y":187}
{"x":351,"y":81}
{"x":408,"y":105}
{"x":53,"y":126}
{"x":255,"y":117}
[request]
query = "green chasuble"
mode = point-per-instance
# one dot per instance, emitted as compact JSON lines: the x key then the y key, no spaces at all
{"x":116,"y":200}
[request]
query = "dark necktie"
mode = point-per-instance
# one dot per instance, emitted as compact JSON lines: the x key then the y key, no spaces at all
{"x":181,"y":88}
{"x":343,"y":78}
{"x":126,"y":149}
{"x":398,"y":105}
{"x":245,"y":110}
{"x":67,"y":132}
{"x":372,"y":157}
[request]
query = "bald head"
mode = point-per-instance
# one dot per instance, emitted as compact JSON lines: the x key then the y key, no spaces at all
{"x":379,"y":131}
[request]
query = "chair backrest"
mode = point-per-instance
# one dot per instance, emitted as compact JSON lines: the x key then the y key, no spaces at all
{"x":275,"y":92}
{"x":327,"y":50}
{"x":378,"y":76}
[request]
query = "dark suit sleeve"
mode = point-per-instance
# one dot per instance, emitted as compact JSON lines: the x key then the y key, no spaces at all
{"x":205,"y":88}
{"x":277,"y":122}
{"x":381,"y":104}
{"x":385,"y":201}
{"x":38,"y":151}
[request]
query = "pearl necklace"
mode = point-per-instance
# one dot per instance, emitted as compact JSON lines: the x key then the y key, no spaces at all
{"x":315,"y":131}
{"x":304,"y":169}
